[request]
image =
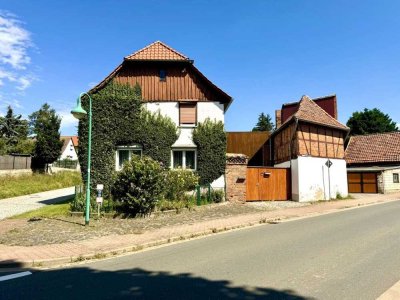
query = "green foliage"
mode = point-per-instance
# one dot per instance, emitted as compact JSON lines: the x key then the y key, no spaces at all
{"x":118,"y":119}
{"x":45,"y":123}
{"x":370,"y":121}
{"x":188,"y":202}
{"x":11,"y":186}
{"x":264,"y":123}
{"x":210,"y":139}
{"x":139,"y":185}
{"x":178,"y":182}
{"x":13,"y":134}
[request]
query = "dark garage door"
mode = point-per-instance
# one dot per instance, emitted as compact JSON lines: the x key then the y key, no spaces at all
{"x":362,"y":182}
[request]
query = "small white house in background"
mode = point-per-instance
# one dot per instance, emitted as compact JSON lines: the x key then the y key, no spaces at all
{"x":174,"y":87}
{"x":69,"y":148}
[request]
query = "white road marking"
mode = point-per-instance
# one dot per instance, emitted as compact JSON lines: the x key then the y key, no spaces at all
{"x":13,"y":276}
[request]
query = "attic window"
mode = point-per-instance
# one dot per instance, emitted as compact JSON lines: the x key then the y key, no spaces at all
{"x":163,"y":75}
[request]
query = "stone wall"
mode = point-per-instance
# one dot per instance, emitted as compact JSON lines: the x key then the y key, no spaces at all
{"x":236,"y":169}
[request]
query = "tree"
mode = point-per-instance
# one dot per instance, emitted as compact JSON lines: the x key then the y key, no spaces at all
{"x":264,"y":123}
{"x":45,"y":123}
{"x":13,"y":128}
{"x":370,"y":121}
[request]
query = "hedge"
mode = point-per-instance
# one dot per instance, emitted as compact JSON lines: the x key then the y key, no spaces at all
{"x":210,"y":138}
{"x":118,"y":118}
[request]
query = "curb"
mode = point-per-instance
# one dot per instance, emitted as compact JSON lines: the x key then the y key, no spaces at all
{"x":82,"y":258}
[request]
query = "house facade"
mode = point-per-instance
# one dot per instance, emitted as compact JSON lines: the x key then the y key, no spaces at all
{"x":310,"y":141}
{"x":174,"y":87}
{"x":69,"y":148}
{"x":373,"y":163}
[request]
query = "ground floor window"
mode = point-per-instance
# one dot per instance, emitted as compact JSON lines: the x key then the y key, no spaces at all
{"x":124,"y":153}
{"x":184,"y":158}
{"x":395,"y":177}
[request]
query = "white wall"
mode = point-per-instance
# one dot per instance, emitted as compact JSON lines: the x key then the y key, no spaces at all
{"x":312,"y":182}
{"x":388,"y":185}
{"x":212,"y":110}
{"x":219,"y":183}
{"x":169,"y":109}
{"x":69,"y":152}
{"x":185,"y":138}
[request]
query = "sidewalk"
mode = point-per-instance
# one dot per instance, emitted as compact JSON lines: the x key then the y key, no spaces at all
{"x":107,"y":246}
{"x":17,"y":205}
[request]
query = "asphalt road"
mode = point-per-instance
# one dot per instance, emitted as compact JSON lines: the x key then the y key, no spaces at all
{"x":352,"y":254}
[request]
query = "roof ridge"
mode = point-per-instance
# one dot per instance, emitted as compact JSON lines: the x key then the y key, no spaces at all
{"x":153,"y":44}
{"x":376,"y":133}
{"x":305,"y":97}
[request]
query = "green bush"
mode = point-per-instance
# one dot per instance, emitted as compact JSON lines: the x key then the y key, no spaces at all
{"x":139,"y":185}
{"x":210,"y":139}
{"x":118,"y":119}
{"x":217,"y":196}
{"x":187,"y":202}
{"x":178,"y":182}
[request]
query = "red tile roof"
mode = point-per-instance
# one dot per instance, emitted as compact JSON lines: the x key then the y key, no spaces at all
{"x":374,"y":148}
{"x":307,"y":110}
{"x":157,"y":51}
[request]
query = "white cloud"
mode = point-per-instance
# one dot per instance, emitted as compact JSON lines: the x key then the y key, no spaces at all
{"x":14,"y":42}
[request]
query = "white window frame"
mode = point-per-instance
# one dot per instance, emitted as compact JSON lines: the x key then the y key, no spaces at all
{"x":135,"y":147}
{"x":184,"y":158}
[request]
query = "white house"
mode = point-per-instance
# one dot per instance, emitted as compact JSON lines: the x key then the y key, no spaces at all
{"x":174,"y":87}
{"x":69,"y":148}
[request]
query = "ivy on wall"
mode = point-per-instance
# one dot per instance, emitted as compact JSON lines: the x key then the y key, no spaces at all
{"x":118,"y":118}
{"x":210,"y":138}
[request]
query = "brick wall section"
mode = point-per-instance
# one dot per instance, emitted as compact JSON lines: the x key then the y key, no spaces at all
{"x":236,"y":168}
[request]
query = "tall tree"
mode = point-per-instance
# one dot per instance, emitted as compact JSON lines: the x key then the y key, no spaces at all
{"x":370,"y":121}
{"x":264,"y":123}
{"x":13,"y":128}
{"x":45,"y":123}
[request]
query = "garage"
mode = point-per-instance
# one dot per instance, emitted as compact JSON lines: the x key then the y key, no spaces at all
{"x":362,"y":182}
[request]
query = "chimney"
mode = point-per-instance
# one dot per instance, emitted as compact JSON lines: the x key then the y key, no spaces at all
{"x":278,"y":118}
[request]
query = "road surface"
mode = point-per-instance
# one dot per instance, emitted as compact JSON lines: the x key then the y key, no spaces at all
{"x":353,"y":254}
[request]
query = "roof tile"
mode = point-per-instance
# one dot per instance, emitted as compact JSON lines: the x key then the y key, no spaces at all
{"x":157,"y":51}
{"x":373,"y":148}
{"x":307,"y":110}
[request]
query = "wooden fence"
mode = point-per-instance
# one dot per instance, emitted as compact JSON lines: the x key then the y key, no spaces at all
{"x":14,"y":162}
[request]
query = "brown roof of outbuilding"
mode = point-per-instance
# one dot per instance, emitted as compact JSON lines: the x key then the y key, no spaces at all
{"x":373,"y":148}
{"x":307,"y":110}
{"x":157,"y":51}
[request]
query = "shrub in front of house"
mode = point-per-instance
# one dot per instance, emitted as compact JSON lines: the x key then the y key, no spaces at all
{"x":178,"y":183}
{"x":139,"y":185}
{"x":210,"y":138}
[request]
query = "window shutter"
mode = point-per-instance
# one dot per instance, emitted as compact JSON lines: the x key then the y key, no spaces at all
{"x":187,"y":113}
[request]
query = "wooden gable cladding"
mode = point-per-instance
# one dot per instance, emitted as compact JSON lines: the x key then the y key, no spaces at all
{"x":188,"y":113}
{"x":284,"y":148}
{"x":183,"y":82}
{"x":319,"y":141}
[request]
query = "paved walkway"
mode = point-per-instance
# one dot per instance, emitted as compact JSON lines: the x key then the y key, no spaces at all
{"x":47,"y":255}
{"x":17,"y":205}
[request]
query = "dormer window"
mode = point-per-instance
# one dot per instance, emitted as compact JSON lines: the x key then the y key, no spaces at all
{"x":163,"y":75}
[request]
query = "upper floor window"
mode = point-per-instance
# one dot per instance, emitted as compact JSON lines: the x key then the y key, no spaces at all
{"x":187,"y":113}
{"x":395,"y":177}
{"x":124,"y":154}
{"x":163,"y":75}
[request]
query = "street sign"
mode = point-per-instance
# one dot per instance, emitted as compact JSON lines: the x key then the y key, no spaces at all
{"x":329,"y":163}
{"x":100,"y":187}
{"x":99,"y":200}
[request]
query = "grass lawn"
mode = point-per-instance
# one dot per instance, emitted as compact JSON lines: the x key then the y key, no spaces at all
{"x":12,"y":186}
{"x":48,"y":211}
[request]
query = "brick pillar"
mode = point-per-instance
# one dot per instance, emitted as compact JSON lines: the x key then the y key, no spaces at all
{"x":236,"y":168}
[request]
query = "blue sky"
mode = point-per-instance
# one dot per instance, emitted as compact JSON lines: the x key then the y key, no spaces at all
{"x":262,"y":53}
